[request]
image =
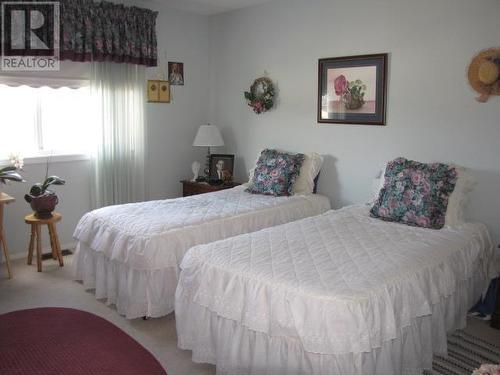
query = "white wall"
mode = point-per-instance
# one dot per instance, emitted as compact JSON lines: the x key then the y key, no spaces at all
{"x":171,"y":130}
{"x":431,"y":113}
{"x":172,"y":127}
{"x":74,"y":201}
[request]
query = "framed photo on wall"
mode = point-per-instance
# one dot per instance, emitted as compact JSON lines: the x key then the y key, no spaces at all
{"x":176,"y":73}
{"x":352,"y":89}
{"x":221,"y":168}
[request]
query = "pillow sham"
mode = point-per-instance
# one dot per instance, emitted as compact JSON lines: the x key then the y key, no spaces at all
{"x":307,"y":180}
{"x":415,"y":193}
{"x":458,"y":199}
{"x":377,"y":185}
{"x":275,"y":173}
{"x":456,"y":202}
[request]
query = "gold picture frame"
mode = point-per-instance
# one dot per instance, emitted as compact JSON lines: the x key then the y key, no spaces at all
{"x":158,"y":91}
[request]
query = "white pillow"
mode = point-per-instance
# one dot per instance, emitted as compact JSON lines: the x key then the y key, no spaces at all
{"x":310,"y":169}
{"x":456,"y":202}
{"x":458,"y":198}
{"x":304,"y":184}
{"x":378,"y":184}
{"x":251,"y":171}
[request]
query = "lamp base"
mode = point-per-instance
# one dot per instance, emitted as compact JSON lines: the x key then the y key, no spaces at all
{"x":207,"y":166}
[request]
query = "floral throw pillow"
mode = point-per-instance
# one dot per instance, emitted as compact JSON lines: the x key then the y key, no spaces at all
{"x":415,"y":193}
{"x":275,"y":173}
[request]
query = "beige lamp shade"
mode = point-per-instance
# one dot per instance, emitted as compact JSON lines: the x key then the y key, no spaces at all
{"x":208,"y":136}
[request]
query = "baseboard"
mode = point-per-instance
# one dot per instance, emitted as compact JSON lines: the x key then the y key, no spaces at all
{"x":64,"y":252}
{"x":68,"y":248}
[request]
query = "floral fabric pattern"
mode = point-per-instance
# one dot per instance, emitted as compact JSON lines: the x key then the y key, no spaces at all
{"x":275,"y":173}
{"x":415,"y":193}
{"x":104,"y":31}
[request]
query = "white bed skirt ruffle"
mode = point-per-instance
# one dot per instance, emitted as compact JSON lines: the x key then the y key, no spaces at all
{"x":331,"y":325}
{"x":235,"y":349}
{"x":136,"y":293}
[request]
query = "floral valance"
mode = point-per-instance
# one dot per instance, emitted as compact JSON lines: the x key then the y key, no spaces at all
{"x":104,"y":31}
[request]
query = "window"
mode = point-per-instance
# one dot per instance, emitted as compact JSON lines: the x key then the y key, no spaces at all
{"x":44,"y":121}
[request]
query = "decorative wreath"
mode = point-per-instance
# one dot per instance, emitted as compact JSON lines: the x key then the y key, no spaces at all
{"x":261,"y":95}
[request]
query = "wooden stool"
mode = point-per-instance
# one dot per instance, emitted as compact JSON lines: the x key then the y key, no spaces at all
{"x":36,"y":225}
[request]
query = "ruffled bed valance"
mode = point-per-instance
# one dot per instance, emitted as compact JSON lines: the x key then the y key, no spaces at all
{"x":107,"y":32}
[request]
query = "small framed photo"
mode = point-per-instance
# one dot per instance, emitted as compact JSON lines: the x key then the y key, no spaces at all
{"x":176,"y":73}
{"x":221,"y":168}
{"x":352,"y":89}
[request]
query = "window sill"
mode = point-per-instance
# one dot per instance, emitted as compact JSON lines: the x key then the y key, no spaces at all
{"x":57,"y":158}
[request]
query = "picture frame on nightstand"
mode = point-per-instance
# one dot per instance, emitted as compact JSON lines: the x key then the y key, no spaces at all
{"x":221,"y":168}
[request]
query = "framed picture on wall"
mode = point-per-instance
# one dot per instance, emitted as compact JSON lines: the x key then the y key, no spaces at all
{"x":176,"y":73}
{"x":158,"y":91}
{"x":352,"y":89}
{"x":221,"y":168}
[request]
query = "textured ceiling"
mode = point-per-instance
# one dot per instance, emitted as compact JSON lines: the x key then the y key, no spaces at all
{"x":210,"y":7}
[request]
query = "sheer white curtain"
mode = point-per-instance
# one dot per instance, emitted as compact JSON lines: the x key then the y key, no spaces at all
{"x":118,"y":158}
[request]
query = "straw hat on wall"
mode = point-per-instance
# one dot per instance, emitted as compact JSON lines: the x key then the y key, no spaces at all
{"x":484,"y":73}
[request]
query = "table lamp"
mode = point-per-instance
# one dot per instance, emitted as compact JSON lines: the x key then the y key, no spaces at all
{"x":208,"y":136}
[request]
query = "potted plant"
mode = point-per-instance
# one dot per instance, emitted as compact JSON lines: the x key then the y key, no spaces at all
{"x":42,"y":200}
{"x":9,"y":173}
{"x":351,"y":93}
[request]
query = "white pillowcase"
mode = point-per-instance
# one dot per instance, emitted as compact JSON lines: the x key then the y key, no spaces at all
{"x":378,"y":184}
{"x":456,"y":202}
{"x":304,"y":184}
{"x":458,"y":199}
{"x":310,"y":169}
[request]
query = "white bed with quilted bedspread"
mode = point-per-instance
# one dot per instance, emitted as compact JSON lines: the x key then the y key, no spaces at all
{"x":339,"y":293}
{"x":130,"y":254}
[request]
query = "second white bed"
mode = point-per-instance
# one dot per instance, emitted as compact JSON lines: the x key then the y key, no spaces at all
{"x":130,"y":254}
{"x":339,"y":293}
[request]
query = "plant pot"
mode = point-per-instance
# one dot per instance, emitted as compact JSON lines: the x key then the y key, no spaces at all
{"x":43,"y":205}
{"x":353,"y":102}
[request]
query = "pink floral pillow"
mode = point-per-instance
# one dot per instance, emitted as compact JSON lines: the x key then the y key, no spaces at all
{"x":415,"y":193}
{"x":275,"y":173}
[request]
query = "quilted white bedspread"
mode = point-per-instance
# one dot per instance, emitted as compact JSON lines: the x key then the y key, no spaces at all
{"x":156,"y":234}
{"x":340,"y":282}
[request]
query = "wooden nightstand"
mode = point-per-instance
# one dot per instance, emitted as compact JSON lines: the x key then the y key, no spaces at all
{"x":194,"y":188}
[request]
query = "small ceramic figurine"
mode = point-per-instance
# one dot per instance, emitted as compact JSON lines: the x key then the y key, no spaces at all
{"x":195,"y":167}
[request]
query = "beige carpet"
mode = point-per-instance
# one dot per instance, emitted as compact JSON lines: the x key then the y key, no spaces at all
{"x":55,"y":287}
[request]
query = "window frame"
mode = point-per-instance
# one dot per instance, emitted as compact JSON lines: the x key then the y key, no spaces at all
{"x":54,"y":158}
{"x":40,"y":155}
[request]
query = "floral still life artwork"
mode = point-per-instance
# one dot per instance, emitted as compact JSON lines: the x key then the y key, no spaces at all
{"x":351,"y":94}
{"x":352,"y":90}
